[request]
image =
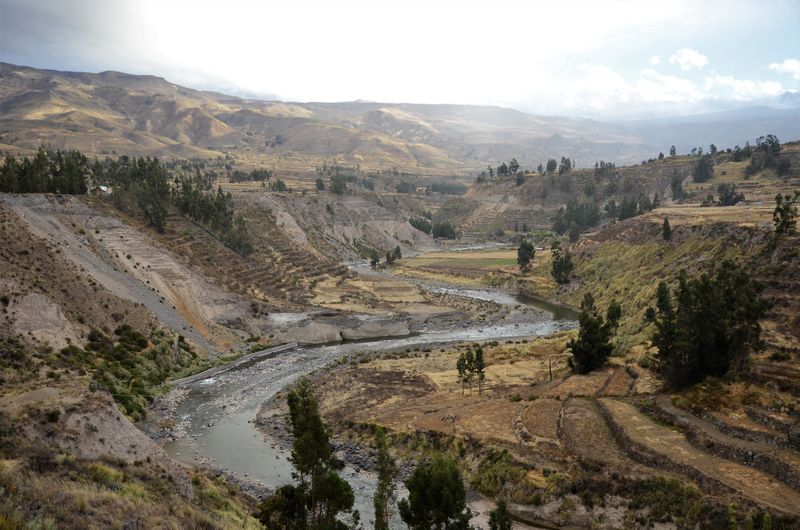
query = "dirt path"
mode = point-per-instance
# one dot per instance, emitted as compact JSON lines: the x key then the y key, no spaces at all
{"x":674,"y":447}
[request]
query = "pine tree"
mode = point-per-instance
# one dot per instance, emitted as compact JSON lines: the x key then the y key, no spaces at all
{"x":525,"y":253}
{"x":666,"y":231}
{"x":499,"y":518}
{"x":592,"y":347}
{"x":385,"y":489}
{"x":479,"y":368}
{"x":436,"y":497}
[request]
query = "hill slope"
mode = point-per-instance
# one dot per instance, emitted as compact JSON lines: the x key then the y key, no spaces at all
{"x":146,"y":115}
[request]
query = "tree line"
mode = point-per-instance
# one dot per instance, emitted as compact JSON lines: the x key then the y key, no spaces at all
{"x":141,"y":186}
{"x":45,"y":172}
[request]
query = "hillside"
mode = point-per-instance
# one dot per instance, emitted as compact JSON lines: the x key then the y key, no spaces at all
{"x":113,"y":112}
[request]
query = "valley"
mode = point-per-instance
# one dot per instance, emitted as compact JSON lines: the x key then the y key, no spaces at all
{"x":538,"y":329}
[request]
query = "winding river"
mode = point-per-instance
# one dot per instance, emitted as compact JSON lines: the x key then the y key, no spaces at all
{"x":217,"y":417}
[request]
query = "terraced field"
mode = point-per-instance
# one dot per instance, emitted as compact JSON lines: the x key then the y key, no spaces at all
{"x":673,"y":450}
{"x":547,"y":424}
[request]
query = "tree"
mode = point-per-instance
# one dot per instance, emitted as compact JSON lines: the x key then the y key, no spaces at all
{"x":320,"y":184}
{"x":513,"y":166}
{"x":436,"y":497}
{"x":562,"y":265}
{"x":443,"y":230}
{"x":728,"y":195}
{"x":374,"y":259}
{"x":710,"y":328}
{"x":421,"y":224}
{"x":552,"y":165}
{"x":502,"y":169}
{"x":285,"y":509}
{"x":384,"y":497}
{"x":666,"y":231}
{"x":784,"y":217}
{"x":592,"y":347}
{"x":768,"y":144}
{"x":672,"y":151}
{"x":479,"y":369}
{"x":397,"y":253}
{"x":491,"y":171}
{"x":525,"y":254}
{"x":574,"y":231}
{"x":326,"y":493}
{"x":499,"y":518}
{"x":466,"y":369}
{"x":676,"y":186}
{"x":338,"y":184}
{"x":712,"y":149}
{"x":461,"y":367}
{"x":661,"y":156}
{"x":704,"y":168}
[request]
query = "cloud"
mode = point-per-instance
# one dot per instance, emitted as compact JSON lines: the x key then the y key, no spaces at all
{"x":728,"y":87}
{"x":788,"y":66}
{"x":655,"y":60}
{"x":688,"y":58}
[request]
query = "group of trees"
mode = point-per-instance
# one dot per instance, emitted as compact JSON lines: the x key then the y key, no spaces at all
{"x":439,"y":229}
{"x":631,"y":206}
{"x":766,"y":156}
{"x":443,"y":230}
{"x":708,"y":326}
{"x":140,"y":185}
{"x":320,"y":499}
{"x":592,"y":346}
{"x":258,"y":175}
{"x":46,"y":172}
{"x":506,"y":169}
{"x":471,"y":369}
{"x":421,"y":224}
{"x":193,"y":198}
{"x":562,"y":264}
{"x":576,"y":214}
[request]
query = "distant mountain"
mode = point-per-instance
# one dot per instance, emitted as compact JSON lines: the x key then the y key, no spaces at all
{"x":113,"y":112}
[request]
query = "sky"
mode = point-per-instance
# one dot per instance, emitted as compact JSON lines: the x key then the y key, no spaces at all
{"x":605,"y":59}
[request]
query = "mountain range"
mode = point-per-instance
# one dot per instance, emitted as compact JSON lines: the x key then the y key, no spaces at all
{"x":113,"y":112}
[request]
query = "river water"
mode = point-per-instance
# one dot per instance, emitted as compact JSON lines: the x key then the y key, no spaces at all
{"x":217,"y":417}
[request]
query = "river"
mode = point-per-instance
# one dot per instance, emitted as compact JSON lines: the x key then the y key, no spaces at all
{"x":216,"y":418}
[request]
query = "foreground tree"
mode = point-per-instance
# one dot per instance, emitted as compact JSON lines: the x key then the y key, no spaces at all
{"x":499,"y":518}
{"x":436,"y":497}
{"x":321,"y":494}
{"x":666,"y":231}
{"x":710,"y":328}
{"x":385,"y":490}
{"x":525,"y":254}
{"x":592,"y":346}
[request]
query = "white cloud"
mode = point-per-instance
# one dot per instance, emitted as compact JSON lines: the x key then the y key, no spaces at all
{"x":788,"y":66}
{"x":728,"y":87}
{"x":688,"y":58}
{"x":600,"y":89}
{"x":655,"y":60}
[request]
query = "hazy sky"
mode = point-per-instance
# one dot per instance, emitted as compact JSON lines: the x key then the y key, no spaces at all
{"x":593,"y":58}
